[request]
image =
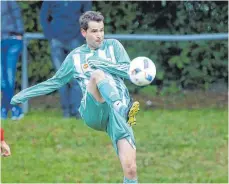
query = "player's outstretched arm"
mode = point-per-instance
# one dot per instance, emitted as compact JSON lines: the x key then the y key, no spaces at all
{"x":62,"y":76}
{"x":40,"y":89}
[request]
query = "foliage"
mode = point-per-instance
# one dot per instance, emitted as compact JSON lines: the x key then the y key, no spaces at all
{"x":39,"y":60}
{"x":193,"y":64}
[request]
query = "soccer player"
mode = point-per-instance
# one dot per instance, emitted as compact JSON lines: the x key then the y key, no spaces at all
{"x":99,"y":67}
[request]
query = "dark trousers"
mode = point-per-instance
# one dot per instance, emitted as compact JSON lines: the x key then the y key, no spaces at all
{"x":70,"y":94}
{"x":10,"y":52}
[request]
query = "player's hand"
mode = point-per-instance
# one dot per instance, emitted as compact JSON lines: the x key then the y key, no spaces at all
{"x":15,"y":100}
{"x":5,"y":149}
{"x":19,"y":37}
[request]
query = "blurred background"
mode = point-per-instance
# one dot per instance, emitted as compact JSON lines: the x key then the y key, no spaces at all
{"x":182,"y":133}
{"x":181,"y":65}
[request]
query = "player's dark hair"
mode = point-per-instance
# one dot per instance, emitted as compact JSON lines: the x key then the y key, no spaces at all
{"x":90,"y":16}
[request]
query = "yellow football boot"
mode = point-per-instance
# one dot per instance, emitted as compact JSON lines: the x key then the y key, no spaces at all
{"x":132,"y":113}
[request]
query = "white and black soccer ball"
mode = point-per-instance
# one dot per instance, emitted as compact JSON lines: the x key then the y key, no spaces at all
{"x":142,"y":71}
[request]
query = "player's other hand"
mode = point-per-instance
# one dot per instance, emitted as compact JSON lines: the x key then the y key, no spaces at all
{"x":5,"y":149}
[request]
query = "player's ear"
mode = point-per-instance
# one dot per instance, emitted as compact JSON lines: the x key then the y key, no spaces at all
{"x":83,"y":32}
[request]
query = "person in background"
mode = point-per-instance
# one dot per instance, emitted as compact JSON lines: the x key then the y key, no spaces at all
{"x":5,"y":149}
{"x":59,"y":20}
{"x":12,"y":29}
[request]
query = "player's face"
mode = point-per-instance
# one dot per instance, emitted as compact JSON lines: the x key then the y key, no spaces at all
{"x":94,"y":34}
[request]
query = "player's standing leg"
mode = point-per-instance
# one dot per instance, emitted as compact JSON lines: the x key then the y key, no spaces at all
{"x":127,"y":156}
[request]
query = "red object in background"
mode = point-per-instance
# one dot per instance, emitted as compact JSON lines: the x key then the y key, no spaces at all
{"x":2,"y":134}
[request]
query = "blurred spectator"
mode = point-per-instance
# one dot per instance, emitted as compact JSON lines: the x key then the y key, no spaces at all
{"x":5,"y":149}
{"x":12,"y":30}
{"x":60,"y":23}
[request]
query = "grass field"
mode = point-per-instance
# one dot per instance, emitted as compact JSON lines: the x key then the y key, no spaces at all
{"x":172,"y":146}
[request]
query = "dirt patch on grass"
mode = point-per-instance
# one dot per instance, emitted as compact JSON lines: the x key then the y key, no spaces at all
{"x":186,"y":99}
{"x":183,"y":100}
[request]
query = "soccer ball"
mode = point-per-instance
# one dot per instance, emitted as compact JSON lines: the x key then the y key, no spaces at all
{"x":142,"y":71}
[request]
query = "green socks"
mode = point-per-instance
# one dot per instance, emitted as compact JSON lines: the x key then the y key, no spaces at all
{"x":108,"y":92}
{"x":126,"y":180}
{"x":112,"y":97}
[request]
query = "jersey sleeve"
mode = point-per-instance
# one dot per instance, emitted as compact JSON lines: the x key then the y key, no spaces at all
{"x":2,"y":134}
{"x":120,"y":68}
{"x":62,"y":76}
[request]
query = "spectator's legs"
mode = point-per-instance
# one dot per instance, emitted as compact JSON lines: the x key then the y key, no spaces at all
{"x":58,"y":56}
{"x":75,"y":94}
{"x":4,"y":100}
{"x":13,"y":54}
{"x":14,"y":48}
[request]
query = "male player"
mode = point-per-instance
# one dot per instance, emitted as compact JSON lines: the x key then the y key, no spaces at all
{"x":99,"y":66}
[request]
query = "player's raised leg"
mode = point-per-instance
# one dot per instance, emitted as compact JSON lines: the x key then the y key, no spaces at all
{"x":127,"y":156}
{"x":104,"y":89}
{"x":133,"y":110}
{"x":100,"y":87}
{"x":92,"y":85}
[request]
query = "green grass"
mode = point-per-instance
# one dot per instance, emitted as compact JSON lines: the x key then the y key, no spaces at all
{"x":172,"y":146}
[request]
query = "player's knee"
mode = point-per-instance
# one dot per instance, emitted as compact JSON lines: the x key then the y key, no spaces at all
{"x":97,"y":75}
{"x":131,"y":170}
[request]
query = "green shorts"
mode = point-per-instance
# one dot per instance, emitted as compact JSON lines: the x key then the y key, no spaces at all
{"x":101,"y":117}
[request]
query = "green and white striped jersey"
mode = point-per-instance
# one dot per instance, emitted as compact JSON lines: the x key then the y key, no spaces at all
{"x":110,"y":57}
